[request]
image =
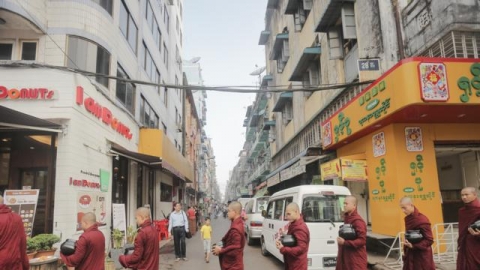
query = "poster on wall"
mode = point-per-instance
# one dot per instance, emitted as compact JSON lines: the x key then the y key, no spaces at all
{"x":118,"y":216}
{"x":379,"y":148}
{"x":354,"y":170}
{"x":433,"y":82}
{"x":414,"y":140}
{"x":94,"y":202}
{"x":24,"y":203}
{"x":327,"y":134}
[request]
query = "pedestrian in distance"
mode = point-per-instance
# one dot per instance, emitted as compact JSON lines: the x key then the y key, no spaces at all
{"x":468,"y":238}
{"x":352,"y":254}
{"x":146,"y":247}
{"x":418,"y":256}
{"x":90,"y":248}
{"x":231,"y":253}
{"x":295,"y":258}
{"x":206,"y":232}
{"x":177,"y":227}
{"x":13,"y":241}
{"x":192,"y":223}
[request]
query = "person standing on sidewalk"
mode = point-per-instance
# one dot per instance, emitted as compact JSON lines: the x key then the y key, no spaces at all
{"x":177,"y":226}
{"x":192,"y":220}
{"x":295,"y":258}
{"x":468,"y":238}
{"x":90,"y":248}
{"x":146,"y":249}
{"x":352,"y":254}
{"x":419,"y":255}
{"x":13,"y":241}
{"x":231,"y":253}
{"x":206,"y":232}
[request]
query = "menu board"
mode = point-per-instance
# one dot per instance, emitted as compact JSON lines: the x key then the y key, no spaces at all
{"x":119,"y":220}
{"x":24,"y":203}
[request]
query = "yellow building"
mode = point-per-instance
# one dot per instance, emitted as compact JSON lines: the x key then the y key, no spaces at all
{"x":416,"y":127}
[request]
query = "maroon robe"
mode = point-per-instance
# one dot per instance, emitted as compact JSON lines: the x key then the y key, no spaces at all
{"x":295,"y":258}
{"x":420,"y":257}
{"x":89,"y":252}
{"x":146,"y":253}
{"x":468,"y":245}
{"x":231,"y":255}
{"x":13,"y":241}
{"x":352,"y":255}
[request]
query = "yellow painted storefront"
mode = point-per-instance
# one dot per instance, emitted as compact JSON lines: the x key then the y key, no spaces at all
{"x":394,"y":125}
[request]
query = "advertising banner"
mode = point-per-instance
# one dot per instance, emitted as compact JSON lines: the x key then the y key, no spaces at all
{"x":94,"y":202}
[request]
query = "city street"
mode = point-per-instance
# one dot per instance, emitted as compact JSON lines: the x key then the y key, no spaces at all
{"x":253,"y":259}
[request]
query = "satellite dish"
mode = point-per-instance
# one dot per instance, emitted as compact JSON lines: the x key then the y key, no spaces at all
{"x":195,"y":59}
{"x":258,"y":71}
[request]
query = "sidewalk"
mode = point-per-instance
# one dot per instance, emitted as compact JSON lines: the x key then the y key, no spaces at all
{"x":376,"y":262}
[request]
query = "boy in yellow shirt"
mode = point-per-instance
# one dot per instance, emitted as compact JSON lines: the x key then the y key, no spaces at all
{"x":206,"y":231}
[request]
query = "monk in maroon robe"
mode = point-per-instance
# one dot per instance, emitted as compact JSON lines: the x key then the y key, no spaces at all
{"x":13,"y":241}
{"x":90,"y":249}
{"x":468,"y":239}
{"x":352,"y":254}
{"x":146,"y":252}
{"x":295,"y":258}
{"x":418,"y":256}
{"x":231,"y":254}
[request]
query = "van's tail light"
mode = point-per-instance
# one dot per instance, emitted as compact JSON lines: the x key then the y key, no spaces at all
{"x":255,"y":223}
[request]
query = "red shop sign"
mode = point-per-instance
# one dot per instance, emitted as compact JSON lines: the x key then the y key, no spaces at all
{"x":26,"y":93}
{"x":102,"y":113}
{"x":84,"y":183}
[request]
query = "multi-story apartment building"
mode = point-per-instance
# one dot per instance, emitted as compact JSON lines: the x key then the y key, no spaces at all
{"x":397,"y":81}
{"x":91,"y":140}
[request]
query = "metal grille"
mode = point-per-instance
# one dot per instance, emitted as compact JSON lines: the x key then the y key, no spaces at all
{"x":456,"y":45}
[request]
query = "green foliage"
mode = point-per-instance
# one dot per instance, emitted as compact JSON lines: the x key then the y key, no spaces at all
{"x":42,"y":242}
{"x":117,"y":236}
{"x":131,"y":234}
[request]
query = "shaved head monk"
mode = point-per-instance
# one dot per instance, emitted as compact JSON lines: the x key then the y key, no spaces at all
{"x":146,"y":252}
{"x":419,"y":255}
{"x":13,"y":241}
{"x":90,"y":249}
{"x":231,"y":254}
{"x":352,"y":254}
{"x":468,"y":239}
{"x":295,"y":258}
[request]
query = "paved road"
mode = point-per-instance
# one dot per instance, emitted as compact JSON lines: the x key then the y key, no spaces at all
{"x":253,"y":259}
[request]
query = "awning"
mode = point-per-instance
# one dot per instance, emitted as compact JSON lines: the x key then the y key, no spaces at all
{"x":278,"y":45}
{"x":268,"y":124}
{"x":331,"y":14}
{"x":264,"y":35}
{"x":266,"y":79}
{"x":309,"y":55}
{"x":15,"y":120}
{"x":291,"y":7}
{"x":282,"y":100}
{"x":142,"y":158}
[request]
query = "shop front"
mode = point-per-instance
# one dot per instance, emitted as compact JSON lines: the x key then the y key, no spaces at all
{"x":416,"y":128}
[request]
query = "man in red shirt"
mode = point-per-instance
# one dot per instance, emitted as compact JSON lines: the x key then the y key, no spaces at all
{"x":296,"y":258}
{"x":468,"y":239}
{"x":13,"y":241}
{"x":231,"y":254}
{"x":90,"y":249}
{"x":146,"y":253}
{"x":352,"y":254}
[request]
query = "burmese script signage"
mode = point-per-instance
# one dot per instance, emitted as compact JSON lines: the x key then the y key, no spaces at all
{"x":344,"y":169}
{"x":26,"y":93}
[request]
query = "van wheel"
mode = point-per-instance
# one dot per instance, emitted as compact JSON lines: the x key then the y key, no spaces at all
{"x":250,"y":241}
{"x":264,"y":247}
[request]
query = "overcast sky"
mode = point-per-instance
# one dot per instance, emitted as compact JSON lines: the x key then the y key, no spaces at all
{"x":225,"y":35}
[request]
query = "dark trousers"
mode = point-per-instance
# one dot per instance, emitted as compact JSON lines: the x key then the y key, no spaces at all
{"x":179,"y":241}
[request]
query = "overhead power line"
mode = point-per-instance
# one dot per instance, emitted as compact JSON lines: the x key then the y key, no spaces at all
{"x":224,"y":89}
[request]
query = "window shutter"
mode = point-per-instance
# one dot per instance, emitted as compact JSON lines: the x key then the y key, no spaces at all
{"x":334,"y":44}
{"x":298,"y":24}
{"x":348,"y":22}
{"x":314,"y":74}
{"x":307,"y":4}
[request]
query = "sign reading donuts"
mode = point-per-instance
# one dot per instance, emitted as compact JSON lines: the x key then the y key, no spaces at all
{"x":84,"y":183}
{"x":26,"y":93}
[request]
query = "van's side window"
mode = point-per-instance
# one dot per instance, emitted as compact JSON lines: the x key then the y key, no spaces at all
{"x":287,"y":202}
{"x":279,"y":206}
{"x":270,"y":210}
{"x":248,"y":207}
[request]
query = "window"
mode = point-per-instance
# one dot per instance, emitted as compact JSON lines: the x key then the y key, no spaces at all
{"x":323,"y":208}
{"x":6,"y":51}
{"x":125,"y":91}
{"x":165,"y":96}
{"x":165,"y":55}
{"x":29,"y":50}
{"x":106,"y":4}
{"x":279,"y":206}
{"x":153,"y":24}
{"x":287,"y":113}
{"x":164,"y":128}
{"x":148,"y":117}
{"x":165,"y":192}
{"x":270,"y":210}
{"x":261,"y":204}
{"x":342,"y":38}
{"x":166,"y":19}
{"x":301,"y":14}
{"x":128,"y":27}
{"x":86,"y":55}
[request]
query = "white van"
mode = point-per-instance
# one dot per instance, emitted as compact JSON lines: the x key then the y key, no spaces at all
{"x":253,"y":224}
{"x":321,"y":207}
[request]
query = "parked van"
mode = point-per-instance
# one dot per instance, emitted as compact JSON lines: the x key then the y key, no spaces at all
{"x":321,"y":207}
{"x":253,"y":224}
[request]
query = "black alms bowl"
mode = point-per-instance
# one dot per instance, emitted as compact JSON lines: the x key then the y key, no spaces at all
{"x":288,"y":240}
{"x":413,"y":236}
{"x":347,"y":232}
{"x":68,"y":247}
{"x":476,"y":225}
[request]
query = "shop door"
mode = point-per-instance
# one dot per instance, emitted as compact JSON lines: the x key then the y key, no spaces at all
{"x":37,"y":179}
{"x":470,"y":166}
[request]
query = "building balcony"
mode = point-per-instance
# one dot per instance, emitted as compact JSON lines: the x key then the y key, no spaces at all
{"x":259,"y":144}
{"x":260,"y":171}
{"x":330,"y":12}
